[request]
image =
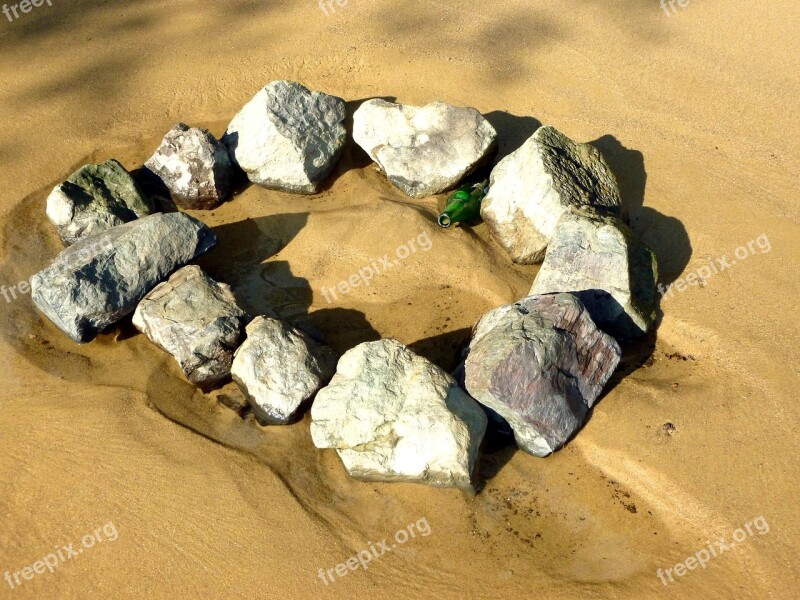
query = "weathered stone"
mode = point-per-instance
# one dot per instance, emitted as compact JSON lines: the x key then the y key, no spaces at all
{"x":540,"y":364}
{"x":197,"y":321}
{"x":279,"y":368}
{"x":423,"y":150}
{"x":532,"y":187}
{"x":99,"y":280}
{"x":94,"y":198}
{"x":194,"y":166}
{"x":598,"y":258}
{"x":288,"y":137}
{"x":394,"y":416}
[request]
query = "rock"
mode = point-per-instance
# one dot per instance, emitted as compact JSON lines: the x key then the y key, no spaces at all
{"x":194,"y":166}
{"x":279,"y":368}
{"x":94,"y":198}
{"x":99,"y":280}
{"x":423,"y":150}
{"x":598,"y":258}
{"x":288,"y":137}
{"x":540,"y":364}
{"x":531,"y":188}
{"x":197,"y":321}
{"x":394,"y":416}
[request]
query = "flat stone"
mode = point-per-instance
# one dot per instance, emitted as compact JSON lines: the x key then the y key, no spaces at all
{"x":99,"y":280}
{"x":540,"y":364}
{"x":279,"y":368}
{"x":392,"y":415}
{"x":94,"y":198}
{"x":598,"y":258}
{"x":287,"y":137}
{"x":197,"y":321}
{"x":423,"y":150}
{"x":532,"y":187}
{"x":194,"y":166}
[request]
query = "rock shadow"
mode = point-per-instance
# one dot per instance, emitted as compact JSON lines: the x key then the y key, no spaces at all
{"x":512,"y":131}
{"x":665,"y":235}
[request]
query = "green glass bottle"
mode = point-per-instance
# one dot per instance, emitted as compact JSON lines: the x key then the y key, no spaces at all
{"x":464,"y":204}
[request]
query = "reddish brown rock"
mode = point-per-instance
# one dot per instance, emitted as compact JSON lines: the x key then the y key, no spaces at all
{"x":540,"y":363}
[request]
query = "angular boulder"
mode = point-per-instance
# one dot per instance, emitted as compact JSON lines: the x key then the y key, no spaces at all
{"x":197,"y":321}
{"x":288,"y":137}
{"x":532,"y":187}
{"x":99,"y":280}
{"x":540,"y":364}
{"x":94,"y":198}
{"x":279,"y":368}
{"x":194,"y":166}
{"x":598,"y":258}
{"x":394,"y":416}
{"x":423,"y":150}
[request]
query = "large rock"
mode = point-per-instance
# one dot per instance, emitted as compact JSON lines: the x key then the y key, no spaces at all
{"x":540,"y":364}
{"x":197,"y":321}
{"x":288,"y":137}
{"x":94,"y":198}
{"x":532,"y":187}
{"x":194,"y":166}
{"x":598,"y":258}
{"x":394,"y":416}
{"x":423,"y":150}
{"x":279,"y":368}
{"x":99,"y":280}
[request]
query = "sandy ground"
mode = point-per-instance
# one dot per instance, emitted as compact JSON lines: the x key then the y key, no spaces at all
{"x":696,"y":436}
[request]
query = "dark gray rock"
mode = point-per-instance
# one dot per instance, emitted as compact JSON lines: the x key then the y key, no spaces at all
{"x":194,"y":166}
{"x":423,"y":150}
{"x":99,"y":280}
{"x":598,"y":258}
{"x":532,"y":187}
{"x":288,"y":137}
{"x":279,"y":368}
{"x":540,"y":364}
{"x":94,"y":198}
{"x":197,"y":321}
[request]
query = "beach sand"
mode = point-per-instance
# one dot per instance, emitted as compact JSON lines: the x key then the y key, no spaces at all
{"x":694,"y":438}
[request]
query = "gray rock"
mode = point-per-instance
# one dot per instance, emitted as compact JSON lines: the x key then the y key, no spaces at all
{"x":194,"y":166}
{"x":394,"y":416}
{"x":423,"y":150}
{"x":288,"y":137}
{"x":99,"y":280}
{"x":598,"y":258}
{"x":197,"y":321}
{"x":532,"y":187}
{"x":94,"y":198}
{"x":279,"y":368}
{"x":540,"y":364}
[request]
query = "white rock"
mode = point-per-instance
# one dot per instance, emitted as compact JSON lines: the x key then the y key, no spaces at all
{"x":197,"y":320}
{"x":394,"y":416}
{"x":288,"y":137}
{"x":532,"y":187}
{"x":598,"y":258}
{"x":423,"y":150}
{"x":279,"y":368}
